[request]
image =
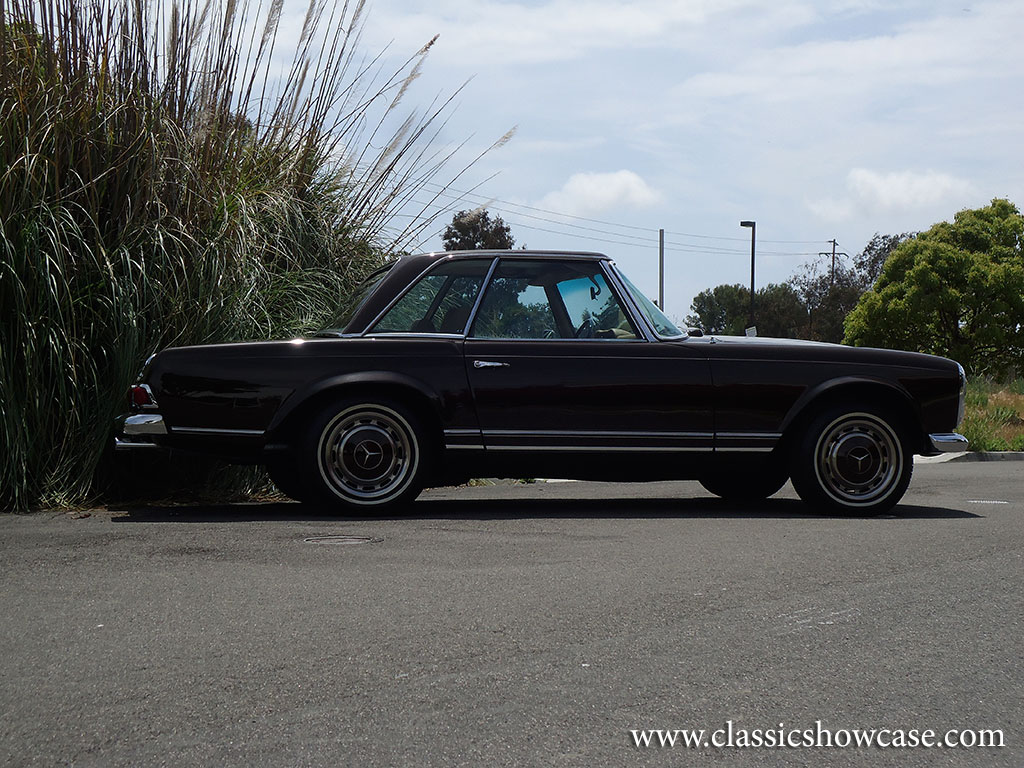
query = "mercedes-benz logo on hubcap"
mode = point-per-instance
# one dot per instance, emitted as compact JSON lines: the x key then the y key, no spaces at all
{"x":368,"y":454}
{"x":859,"y":456}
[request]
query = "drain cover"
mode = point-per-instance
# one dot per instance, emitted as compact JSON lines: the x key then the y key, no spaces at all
{"x":342,"y":539}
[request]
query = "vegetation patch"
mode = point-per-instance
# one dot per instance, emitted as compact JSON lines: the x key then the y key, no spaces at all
{"x":169,"y":178}
{"x":994,"y":415}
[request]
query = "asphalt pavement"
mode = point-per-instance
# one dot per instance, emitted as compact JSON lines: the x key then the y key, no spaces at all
{"x":514,"y":625}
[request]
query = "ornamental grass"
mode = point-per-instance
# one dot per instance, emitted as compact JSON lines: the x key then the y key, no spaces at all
{"x":174,"y":173}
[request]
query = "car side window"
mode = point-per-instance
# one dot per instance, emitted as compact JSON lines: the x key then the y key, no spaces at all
{"x":549,"y":299}
{"x":593,"y":309}
{"x":439,"y":302}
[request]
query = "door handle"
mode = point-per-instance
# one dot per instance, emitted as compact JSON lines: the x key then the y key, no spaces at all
{"x":488,"y":364}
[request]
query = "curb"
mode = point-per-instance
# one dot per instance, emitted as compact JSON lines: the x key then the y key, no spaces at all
{"x":971,"y":456}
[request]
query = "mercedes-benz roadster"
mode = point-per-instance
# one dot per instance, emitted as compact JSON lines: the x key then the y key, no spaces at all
{"x":542,"y":364}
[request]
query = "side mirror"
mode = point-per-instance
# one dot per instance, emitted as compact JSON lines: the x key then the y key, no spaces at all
{"x":694,"y":332}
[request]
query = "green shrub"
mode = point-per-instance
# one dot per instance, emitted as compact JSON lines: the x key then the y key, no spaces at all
{"x":161,"y":187}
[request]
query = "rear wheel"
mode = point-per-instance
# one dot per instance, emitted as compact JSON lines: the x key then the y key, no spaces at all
{"x":363,"y":454}
{"x":852,"y":461}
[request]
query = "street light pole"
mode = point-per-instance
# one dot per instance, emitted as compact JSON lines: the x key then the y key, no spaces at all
{"x":753,"y":229}
{"x":661,"y":269}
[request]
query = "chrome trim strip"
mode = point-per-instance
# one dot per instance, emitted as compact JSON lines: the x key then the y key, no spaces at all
{"x":604,"y":448}
{"x":555,"y":339}
{"x":746,"y":435}
{"x":760,"y":449}
{"x":589,"y":433}
{"x":216,"y":431}
{"x":462,"y":432}
{"x":948,"y":442}
{"x":410,"y":335}
{"x":127,"y":445}
{"x":144,"y":424}
{"x":457,"y":447}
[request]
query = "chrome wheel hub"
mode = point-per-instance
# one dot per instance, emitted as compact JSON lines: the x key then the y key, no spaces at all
{"x":858,"y":459}
{"x":367,"y":454}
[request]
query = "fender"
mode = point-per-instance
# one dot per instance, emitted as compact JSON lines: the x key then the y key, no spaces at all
{"x":303,"y":395}
{"x":825,"y":387}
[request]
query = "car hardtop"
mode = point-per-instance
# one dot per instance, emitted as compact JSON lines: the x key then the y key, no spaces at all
{"x":403,"y":271}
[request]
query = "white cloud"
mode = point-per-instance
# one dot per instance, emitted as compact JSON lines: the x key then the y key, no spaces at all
{"x":555,"y":30}
{"x":586,"y":194}
{"x":871,"y":192}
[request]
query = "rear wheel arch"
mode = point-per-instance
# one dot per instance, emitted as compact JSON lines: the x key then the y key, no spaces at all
{"x":290,"y":425}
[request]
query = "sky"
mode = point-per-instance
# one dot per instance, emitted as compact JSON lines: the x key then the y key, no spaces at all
{"x":818,"y":119}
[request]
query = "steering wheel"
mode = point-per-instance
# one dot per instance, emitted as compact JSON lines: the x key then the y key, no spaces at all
{"x":586,"y":329}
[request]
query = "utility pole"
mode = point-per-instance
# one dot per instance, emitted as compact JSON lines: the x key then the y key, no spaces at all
{"x":661,"y":269}
{"x":752,"y":226}
{"x":832,"y":274}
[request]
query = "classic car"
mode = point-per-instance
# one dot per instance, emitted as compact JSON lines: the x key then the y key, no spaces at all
{"x":546,"y":364}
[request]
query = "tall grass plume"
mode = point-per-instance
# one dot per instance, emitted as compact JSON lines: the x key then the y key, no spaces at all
{"x":169,"y":175}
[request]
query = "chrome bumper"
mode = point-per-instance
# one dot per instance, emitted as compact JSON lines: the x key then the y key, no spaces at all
{"x":145,"y":424}
{"x":136,"y":432}
{"x":947,"y":442}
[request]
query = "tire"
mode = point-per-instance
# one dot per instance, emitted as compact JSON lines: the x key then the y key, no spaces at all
{"x":751,"y":484}
{"x":365,"y":455}
{"x":852,"y":460}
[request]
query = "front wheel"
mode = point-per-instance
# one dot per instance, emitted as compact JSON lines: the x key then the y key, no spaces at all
{"x":852,"y":461}
{"x":365,"y":455}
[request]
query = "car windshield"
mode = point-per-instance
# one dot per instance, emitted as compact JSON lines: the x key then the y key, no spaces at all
{"x":662,"y":325}
{"x":359,"y":297}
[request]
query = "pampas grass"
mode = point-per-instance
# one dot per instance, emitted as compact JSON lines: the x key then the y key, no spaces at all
{"x":166,"y":179}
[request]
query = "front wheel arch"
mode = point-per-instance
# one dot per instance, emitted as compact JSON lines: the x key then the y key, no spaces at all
{"x":865,"y":393}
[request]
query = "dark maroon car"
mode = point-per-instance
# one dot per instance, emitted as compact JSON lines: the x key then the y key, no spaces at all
{"x":538,"y":364}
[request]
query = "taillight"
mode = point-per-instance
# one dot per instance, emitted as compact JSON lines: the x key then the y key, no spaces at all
{"x":141,"y":396}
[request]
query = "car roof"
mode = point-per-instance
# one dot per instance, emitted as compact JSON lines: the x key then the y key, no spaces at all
{"x":407,"y":268}
{"x":431,"y":256}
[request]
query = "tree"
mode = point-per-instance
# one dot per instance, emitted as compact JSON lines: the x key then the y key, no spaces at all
{"x":722,"y":309}
{"x":956,"y":290}
{"x":475,"y":230}
{"x":831,"y":293}
{"x":725,"y":309}
{"x":829,"y":297}
{"x":779,"y":311}
{"x":869,"y":262}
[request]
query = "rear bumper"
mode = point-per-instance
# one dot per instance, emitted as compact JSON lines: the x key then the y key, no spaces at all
{"x":144,"y":424}
{"x":137,"y":432}
{"x":947,"y":442}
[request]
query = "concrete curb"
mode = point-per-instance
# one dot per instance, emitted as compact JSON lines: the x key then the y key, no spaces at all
{"x":971,"y":456}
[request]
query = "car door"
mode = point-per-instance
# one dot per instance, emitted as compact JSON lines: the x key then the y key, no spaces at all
{"x":555,"y":363}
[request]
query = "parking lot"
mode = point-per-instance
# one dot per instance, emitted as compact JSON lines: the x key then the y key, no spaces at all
{"x":512,"y":625}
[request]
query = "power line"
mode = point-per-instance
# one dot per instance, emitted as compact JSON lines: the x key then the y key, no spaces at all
{"x":489,"y":202}
{"x":607,"y":236}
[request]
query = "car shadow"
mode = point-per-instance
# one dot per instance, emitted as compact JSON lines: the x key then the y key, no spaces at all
{"x":520,"y":509}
